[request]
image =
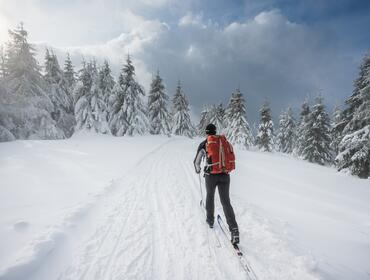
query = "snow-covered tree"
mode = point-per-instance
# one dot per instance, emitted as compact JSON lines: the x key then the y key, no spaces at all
{"x":354,"y":153}
{"x":134,"y":106}
{"x":98,"y":99}
{"x":57,"y":89}
{"x":238,"y":130}
{"x":265,"y":136}
{"x":69,"y":74}
{"x":91,"y":106}
{"x":6,"y":111}
{"x":181,"y":114}
{"x":82,"y":92}
{"x":25,"y":109}
{"x":302,"y":128}
{"x":287,"y":132}
{"x":337,"y":126}
{"x":2,"y":63}
{"x":280,"y":139}
{"x":117,"y":116}
{"x":128,"y":110}
{"x":106,"y":86}
{"x":317,"y":135}
{"x":359,"y":96}
{"x":106,"y":81}
{"x":204,"y":120}
{"x":354,"y":149}
{"x":159,"y":116}
{"x":217,"y":117}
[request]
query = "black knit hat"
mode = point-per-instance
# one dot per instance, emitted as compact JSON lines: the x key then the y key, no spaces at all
{"x":211,"y":129}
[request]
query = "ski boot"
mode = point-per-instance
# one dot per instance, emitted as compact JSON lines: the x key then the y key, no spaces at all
{"x":210,"y":223}
{"x":235,"y":236}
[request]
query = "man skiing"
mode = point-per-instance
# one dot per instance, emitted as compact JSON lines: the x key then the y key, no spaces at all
{"x":220,"y":161}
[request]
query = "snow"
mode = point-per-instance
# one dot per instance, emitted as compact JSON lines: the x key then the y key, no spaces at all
{"x":44,"y":182}
{"x":325,"y":213}
{"x":103,"y":207}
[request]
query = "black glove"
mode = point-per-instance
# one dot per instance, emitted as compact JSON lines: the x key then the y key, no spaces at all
{"x":197,"y":170}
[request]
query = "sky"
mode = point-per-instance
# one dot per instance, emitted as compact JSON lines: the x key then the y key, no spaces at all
{"x":280,"y":51}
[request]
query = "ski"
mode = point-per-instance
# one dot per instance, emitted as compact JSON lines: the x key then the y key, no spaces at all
{"x":242,"y":259}
{"x":215,"y":236}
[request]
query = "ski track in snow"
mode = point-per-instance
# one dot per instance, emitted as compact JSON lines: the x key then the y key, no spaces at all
{"x":150,"y":226}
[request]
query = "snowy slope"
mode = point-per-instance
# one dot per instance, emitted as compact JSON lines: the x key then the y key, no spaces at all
{"x":44,"y":184}
{"x":323,"y":213}
{"x":98,"y":207}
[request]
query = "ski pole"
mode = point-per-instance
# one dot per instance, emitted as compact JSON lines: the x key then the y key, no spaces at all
{"x":200,"y":187}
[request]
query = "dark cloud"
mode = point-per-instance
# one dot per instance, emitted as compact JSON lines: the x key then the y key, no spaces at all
{"x":269,"y":57}
{"x":282,"y":55}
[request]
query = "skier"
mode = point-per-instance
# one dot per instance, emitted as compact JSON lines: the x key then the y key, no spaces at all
{"x":216,"y":174}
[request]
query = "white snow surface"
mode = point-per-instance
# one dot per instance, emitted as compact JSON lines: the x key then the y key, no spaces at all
{"x":103,"y":207}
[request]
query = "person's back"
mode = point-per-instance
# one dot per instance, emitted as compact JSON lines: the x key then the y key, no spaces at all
{"x":219,"y":162}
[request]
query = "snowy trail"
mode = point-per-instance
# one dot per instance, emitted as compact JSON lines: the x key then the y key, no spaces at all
{"x":155,"y":231}
{"x":150,"y":226}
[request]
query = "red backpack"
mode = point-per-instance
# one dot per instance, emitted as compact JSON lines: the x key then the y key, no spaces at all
{"x":220,"y":154}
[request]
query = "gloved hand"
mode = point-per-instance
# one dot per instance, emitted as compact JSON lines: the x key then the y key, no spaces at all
{"x":197,"y":169}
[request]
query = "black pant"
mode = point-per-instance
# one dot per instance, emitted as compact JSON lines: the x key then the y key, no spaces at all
{"x":223,"y":182}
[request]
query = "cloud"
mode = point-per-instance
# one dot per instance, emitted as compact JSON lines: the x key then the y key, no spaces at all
{"x":135,"y":42}
{"x":154,"y":3}
{"x":76,"y":22}
{"x":191,"y":19}
{"x":267,"y":55}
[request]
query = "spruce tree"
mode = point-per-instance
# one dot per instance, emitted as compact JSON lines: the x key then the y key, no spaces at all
{"x":69,"y":75}
{"x":159,"y":117}
{"x":317,"y":135}
{"x":98,"y":103}
{"x":117,"y":115}
{"x":3,"y":73}
{"x":6,"y":122}
{"x":337,"y":127}
{"x":128,"y":110}
{"x":265,"y":136}
{"x":204,"y":120}
{"x":358,"y":97}
{"x":217,"y":117}
{"x":302,"y":129}
{"x":280,"y":139}
{"x":106,"y":85}
{"x":57,"y":89}
{"x":354,"y":148}
{"x":238,"y":130}
{"x":287,"y":132}
{"x":354,"y":153}
{"x":181,"y":114}
{"x":26,"y":109}
{"x":134,"y":105}
{"x":83,"y":111}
